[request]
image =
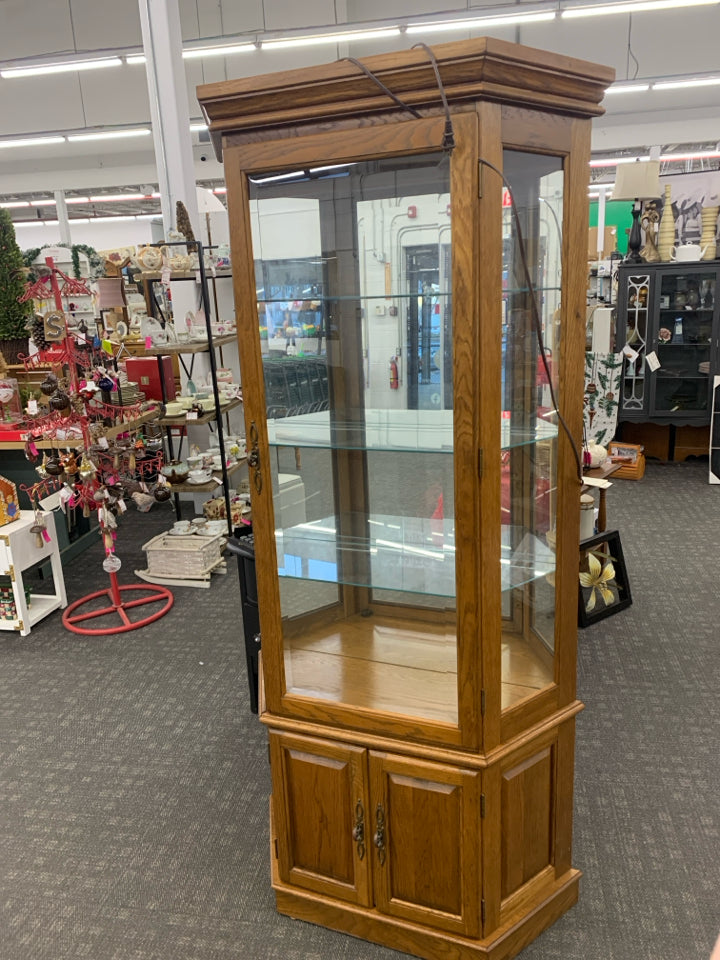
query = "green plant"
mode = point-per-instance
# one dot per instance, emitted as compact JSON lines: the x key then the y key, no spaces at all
{"x":13,"y":315}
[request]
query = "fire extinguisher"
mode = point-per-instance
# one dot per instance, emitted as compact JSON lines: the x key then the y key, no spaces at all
{"x":394,"y":377}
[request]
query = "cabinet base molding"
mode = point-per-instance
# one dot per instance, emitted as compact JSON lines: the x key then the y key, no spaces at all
{"x":507,"y":941}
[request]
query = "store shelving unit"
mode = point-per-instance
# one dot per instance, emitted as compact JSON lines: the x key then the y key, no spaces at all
{"x":419,"y":619}
{"x":192,"y":349}
{"x":19,"y":552}
{"x":670,"y":310}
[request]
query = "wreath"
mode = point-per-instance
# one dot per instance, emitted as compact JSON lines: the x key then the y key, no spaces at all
{"x":95,"y":261}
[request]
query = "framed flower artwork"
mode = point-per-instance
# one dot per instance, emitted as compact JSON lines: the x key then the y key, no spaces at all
{"x":604,"y":588}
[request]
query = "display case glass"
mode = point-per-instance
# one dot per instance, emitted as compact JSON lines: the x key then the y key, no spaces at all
{"x":532,"y":280}
{"x":684,"y":342}
{"x":358,"y":368}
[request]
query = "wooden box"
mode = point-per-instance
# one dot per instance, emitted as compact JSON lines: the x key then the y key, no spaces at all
{"x":631,"y":456}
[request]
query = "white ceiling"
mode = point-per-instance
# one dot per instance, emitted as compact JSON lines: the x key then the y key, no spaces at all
{"x":648,"y":45}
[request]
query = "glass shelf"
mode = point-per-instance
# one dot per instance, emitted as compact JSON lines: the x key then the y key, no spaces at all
{"x":429,"y":431}
{"x":407,"y":554}
{"x":381,"y":297}
{"x":684,"y":311}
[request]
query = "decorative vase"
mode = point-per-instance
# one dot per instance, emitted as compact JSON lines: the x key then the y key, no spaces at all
{"x":708,"y":240}
{"x":666,"y":233}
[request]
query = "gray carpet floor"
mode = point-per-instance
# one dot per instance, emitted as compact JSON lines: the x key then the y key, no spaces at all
{"x":134,"y":780}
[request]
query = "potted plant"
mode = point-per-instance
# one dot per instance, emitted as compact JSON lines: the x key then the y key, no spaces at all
{"x":14,"y":316}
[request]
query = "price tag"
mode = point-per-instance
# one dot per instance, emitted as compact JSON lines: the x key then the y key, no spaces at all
{"x":631,"y":354}
{"x":165,"y":274}
{"x":192,"y":415}
{"x":197,"y":276}
{"x":597,"y":482}
{"x":652,"y":361}
{"x":32,"y":407}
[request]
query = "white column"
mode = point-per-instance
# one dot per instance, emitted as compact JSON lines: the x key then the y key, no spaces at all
{"x":169,"y":108}
{"x":62,"y":215}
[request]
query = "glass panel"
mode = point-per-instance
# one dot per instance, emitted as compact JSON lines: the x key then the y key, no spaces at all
{"x":529,"y":457}
{"x":636,"y":333}
{"x":684,"y":342}
{"x":353,"y":282}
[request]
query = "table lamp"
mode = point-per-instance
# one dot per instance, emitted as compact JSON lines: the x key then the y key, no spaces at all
{"x":637,"y":181}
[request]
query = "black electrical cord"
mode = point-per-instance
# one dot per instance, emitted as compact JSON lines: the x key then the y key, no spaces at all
{"x":536,"y":316}
{"x":449,"y":135}
{"x":447,"y":145}
{"x":386,"y":90}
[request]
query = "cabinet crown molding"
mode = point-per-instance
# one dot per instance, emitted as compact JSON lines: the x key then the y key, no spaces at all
{"x":292,"y":102}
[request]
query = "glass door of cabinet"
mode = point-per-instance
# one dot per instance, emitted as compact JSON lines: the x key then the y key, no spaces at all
{"x":684,"y":343}
{"x":531,"y":353}
{"x":353,"y":288}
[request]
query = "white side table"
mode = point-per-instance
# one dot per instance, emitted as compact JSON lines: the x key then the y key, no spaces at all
{"x":18,"y":552}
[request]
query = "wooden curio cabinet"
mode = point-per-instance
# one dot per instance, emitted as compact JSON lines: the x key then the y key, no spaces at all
{"x":415,"y":497}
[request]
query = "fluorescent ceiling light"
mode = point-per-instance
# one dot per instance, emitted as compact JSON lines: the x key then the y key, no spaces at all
{"x":77,"y":199}
{"x":194,"y":53}
{"x":118,"y":197}
{"x":627,"y":88}
{"x":220,"y":190}
{"x":68,"y":66}
{"x":148,"y":216}
{"x":78,"y":220}
{"x":615,"y":161}
{"x":346,"y":37}
{"x":472,"y":22}
{"x":31,"y":141}
{"x":690,"y":82}
{"x":638,"y":6}
{"x":112,"y":219}
{"x":697,"y":155}
{"x":108,"y":135}
{"x":135,"y":58}
{"x":197,"y":127}
{"x":12,"y":204}
{"x":29,"y":223}
{"x":43,"y":203}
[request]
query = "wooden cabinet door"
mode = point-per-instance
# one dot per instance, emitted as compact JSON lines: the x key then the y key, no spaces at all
{"x":424,"y":833}
{"x":320,"y":807}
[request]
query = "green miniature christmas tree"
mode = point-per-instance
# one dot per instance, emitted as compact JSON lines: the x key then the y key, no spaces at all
{"x":184,"y":226}
{"x":13,"y":315}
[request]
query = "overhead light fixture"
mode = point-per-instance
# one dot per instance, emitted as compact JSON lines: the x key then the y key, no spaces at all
{"x":632,"y":6}
{"x":77,"y":200}
{"x":75,"y":220}
{"x":12,"y":204}
{"x":118,"y":197}
{"x":67,"y":66}
{"x":689,"y":82}
{"x":28,"y":223}
{"x":148,"y":216}
{"x":108,"y":135}
{"x":31,"y":142}
{"x":224,"y":50}
{"x":113,"y":219}
{"x":347,"y":36}
{"x":220,"y":190}
{"x":472,"y":22}
{"x":198,"y":127}
{"x":615,"y":161}
{"x":627,"y":88}
{"x":697,"y":155}
{"x":50,"y":202}
{"x":135,"y":58}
